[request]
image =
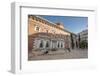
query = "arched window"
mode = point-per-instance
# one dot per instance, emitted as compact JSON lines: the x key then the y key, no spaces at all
{"x":41,"y":44}
{"x":37,"y":28}
{"x":61,"y":45}
{"x":58,"y":45}
{"x":47,"y":44}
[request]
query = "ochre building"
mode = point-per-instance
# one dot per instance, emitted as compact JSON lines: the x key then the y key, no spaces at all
{"x":43,"y":34}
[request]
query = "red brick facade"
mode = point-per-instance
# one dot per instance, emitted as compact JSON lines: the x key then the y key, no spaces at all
{"x":41,"y":29}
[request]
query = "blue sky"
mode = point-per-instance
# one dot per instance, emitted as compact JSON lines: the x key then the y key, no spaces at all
{"x":74,"y":24}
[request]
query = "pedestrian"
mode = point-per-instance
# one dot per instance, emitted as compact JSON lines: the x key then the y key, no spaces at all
{"x":68,"y":49}
{"x":45,"y":51}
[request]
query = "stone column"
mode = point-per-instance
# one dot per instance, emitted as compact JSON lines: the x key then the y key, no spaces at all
{"x":44,"y":44}
{"x":51,"y":44}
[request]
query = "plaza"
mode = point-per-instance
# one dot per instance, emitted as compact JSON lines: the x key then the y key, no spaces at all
{"x":60,"y":54}
{"x":48,"y":40}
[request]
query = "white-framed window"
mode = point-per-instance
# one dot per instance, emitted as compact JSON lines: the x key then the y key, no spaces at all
{"x":37,"y":28}
{"x":58,"y":45}
{"x":47,"y":44}
{"x":41,"y":45}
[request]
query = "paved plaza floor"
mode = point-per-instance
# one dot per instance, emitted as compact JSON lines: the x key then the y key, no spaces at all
{"x":60,"y":54}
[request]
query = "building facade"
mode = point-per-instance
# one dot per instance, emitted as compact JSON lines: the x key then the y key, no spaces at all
{"x":84,"y":35}
{"x":82,"y":39}
{"x":74,"y":44}
{"x":43,"y":34}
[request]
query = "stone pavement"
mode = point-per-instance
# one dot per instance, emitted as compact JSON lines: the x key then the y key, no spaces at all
{"x":60,"y":54}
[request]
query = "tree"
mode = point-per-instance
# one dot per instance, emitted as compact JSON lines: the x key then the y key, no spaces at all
{"x":76,"y":44}
{"x":79,"y":40}
{"x":72,"y":41}
{"x":83,"y":44}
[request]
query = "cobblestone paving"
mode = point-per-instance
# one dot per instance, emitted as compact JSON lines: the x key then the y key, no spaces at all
{"x":60,"y":54}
